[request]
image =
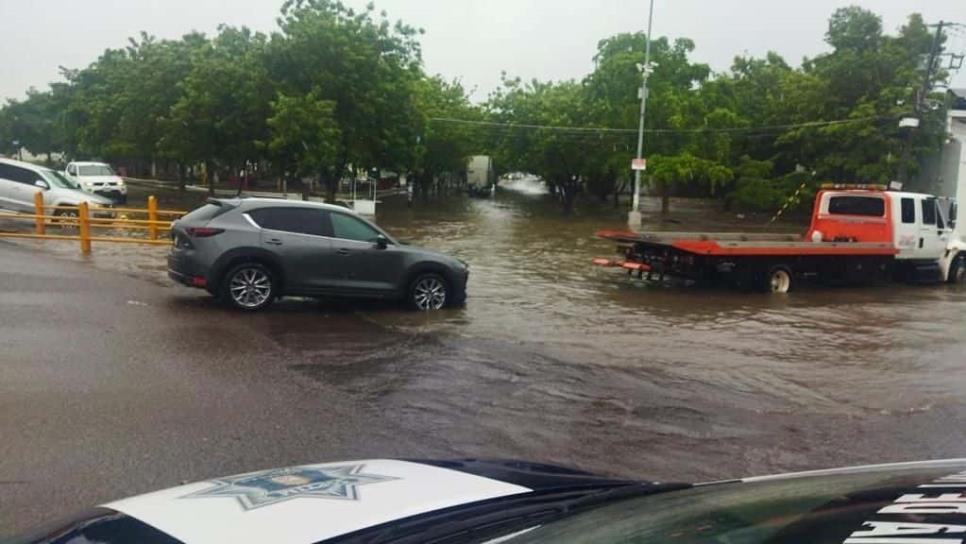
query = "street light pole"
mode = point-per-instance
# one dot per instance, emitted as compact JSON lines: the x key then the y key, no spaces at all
{"x":634,"y":217}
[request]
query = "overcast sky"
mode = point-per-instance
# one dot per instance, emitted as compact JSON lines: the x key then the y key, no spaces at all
{"x":473,"y":40}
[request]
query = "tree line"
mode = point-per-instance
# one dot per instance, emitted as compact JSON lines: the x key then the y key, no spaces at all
{"x":333,"y":91}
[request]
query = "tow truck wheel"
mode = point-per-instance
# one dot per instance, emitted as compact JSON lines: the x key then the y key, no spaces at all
{"x":778,"y":279}
{"x":957,"y":272}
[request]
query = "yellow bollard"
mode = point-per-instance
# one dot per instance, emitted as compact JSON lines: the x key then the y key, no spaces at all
{"x":153,"y":217}
{"x":39,"y":211}
{"x":85,"y":227}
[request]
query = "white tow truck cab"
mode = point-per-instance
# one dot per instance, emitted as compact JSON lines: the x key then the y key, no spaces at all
{"x":98,"y":178}
{"x":926,"y":233}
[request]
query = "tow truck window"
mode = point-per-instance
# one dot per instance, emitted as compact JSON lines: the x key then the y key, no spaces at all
{"x":929,"y":211}
{"x":908,"y":210}
{"x":869,"y":206}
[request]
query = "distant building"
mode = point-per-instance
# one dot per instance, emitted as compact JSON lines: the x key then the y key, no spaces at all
{"x":945,"y":173}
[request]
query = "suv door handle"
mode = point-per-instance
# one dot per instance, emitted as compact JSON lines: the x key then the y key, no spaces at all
{"x":274,"y":241}
{"x":342,"y":251}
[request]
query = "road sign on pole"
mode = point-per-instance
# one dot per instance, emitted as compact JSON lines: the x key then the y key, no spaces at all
{"x":639,"y":164}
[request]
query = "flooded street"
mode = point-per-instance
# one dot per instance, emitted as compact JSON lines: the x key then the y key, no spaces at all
{"x":579,"y":365}
{"x":555,"y":360}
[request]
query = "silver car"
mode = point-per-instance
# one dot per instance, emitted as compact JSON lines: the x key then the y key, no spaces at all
{"x":20,"y":181}
{"x":250,"y":251}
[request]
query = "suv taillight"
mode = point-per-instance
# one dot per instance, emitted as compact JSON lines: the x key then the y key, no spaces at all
{"x":202,"y":232}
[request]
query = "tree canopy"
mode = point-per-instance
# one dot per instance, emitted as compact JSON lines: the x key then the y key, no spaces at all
{"x":334,"y":90}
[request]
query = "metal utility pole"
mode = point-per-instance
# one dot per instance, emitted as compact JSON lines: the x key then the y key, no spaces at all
{"x":634,"y":217}
{"x":930,"y":67}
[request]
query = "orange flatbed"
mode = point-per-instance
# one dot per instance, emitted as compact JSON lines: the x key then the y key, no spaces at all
{"x":747,"y":244}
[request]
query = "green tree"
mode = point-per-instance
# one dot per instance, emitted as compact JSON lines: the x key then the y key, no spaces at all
{"x":221,"y":116}
{"x":304,"y":135}
{"x":366,"y":67}
{"x":441,"y":147}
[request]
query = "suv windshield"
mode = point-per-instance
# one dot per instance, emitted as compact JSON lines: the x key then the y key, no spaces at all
{"x":95,"y":170}
{"x":56,"y":179}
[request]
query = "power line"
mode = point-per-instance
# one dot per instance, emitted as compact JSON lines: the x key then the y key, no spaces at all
{"x":605,"y":130}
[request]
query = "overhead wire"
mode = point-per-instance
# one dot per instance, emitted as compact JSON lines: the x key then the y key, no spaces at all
{"x":631,"y":131}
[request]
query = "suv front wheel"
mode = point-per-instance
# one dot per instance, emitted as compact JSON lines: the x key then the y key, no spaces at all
{"x":428,"y":292}
{"x":249,"y":286}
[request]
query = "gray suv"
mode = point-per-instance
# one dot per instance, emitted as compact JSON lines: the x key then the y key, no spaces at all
{"x":250,"y":251}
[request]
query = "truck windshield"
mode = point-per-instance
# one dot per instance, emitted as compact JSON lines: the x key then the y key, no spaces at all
{"x":95,"y":170}
{"x":871,"y":206}
{"x":56,"y":179}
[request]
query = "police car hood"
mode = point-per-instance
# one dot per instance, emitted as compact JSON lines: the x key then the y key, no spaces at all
{"x":310,"y":503}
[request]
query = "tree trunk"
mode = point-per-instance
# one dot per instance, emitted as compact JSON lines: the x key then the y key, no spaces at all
{"x":568,"y":194}
{"x":181,"y":183}
{"x":209,"y":178}
{"x":665,"y":198}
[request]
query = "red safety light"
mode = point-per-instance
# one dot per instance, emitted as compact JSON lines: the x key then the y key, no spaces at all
{"x":199,"y":281}
{"x":202,"y":232}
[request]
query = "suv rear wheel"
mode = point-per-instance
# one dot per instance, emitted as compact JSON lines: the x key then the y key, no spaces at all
{"x":249,"y":286}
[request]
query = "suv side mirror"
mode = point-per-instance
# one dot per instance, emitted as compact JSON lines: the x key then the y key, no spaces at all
{"x":382,"y":242}
{"x":41,"y":184}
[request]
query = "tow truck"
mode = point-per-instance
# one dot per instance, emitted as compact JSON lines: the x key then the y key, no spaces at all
{"x":858,"y":234}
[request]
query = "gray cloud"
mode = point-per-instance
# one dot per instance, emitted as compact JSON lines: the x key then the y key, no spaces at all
{"x":473,"y":40}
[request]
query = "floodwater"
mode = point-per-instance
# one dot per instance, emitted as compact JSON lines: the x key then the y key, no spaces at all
{"x":555,"y":360}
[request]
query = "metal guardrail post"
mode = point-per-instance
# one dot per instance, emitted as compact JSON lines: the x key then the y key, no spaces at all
{"x":152,"y":216}
{"x":83,"y":216}
{"x":39,"y":212}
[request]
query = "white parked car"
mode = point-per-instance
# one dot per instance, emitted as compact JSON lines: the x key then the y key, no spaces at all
{"x":98,"y":178}
{"x":20,"y":181}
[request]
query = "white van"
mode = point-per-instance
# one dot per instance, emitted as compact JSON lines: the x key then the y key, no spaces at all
{"x":98,"y":178}
{"x":20,"y":181}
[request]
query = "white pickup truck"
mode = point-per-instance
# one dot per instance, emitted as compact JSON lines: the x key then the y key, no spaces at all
{"x":98,"y":178}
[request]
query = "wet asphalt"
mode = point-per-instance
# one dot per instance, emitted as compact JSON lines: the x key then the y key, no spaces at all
{"x":110,"y":386}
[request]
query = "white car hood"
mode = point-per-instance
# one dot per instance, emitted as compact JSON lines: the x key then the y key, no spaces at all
{"x":308,"y":503}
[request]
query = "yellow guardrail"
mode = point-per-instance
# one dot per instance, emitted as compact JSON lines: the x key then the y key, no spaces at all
{"x":80,"y":218}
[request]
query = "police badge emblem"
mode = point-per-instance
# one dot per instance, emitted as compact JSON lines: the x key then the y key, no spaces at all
{"x":268,"y":487}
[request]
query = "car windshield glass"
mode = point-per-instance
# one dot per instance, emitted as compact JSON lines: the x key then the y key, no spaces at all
{"x":56,"y":179}
{"x":95,"y":170}
{"x":763,"y":512}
